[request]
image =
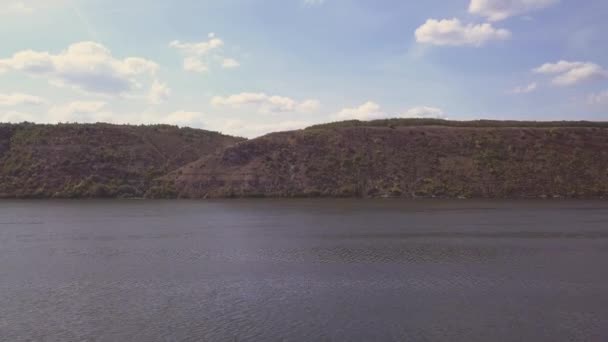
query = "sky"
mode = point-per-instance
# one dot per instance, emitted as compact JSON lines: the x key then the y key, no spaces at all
{"x":249,"y":67}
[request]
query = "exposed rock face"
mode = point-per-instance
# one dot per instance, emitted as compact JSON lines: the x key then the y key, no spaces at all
{"x":398,"y":158}
{"x":97,"y":160}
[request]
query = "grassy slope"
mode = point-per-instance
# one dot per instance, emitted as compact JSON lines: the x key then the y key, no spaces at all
{"x":409,"y":158}
{"x":96,"y":160}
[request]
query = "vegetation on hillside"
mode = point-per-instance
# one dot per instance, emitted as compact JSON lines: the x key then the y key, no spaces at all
{"x":97,"y":160}
{"x":409,"y":159}
{"x":384,"y":158}
{"x":409,"y":122}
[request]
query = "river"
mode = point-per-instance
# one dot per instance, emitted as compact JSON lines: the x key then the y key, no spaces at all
{"x":304,"y":270}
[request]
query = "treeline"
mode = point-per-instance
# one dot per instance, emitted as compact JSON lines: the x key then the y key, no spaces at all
{"x":452,"y":123}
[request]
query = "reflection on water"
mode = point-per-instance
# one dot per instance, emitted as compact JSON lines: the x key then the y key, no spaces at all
{"x":303,"y":270}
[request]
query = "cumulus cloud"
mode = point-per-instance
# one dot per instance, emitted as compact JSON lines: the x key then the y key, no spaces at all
{"x":266,"y":103}
{"x":17,"y":116}
{"x":452,"y":32}
{"x":525,"y":89}
{"x":199,"y":55}
{"x":200,"y":48}
{"x":183,"y":118}
{"x":571,"y":73}
{"x":372,"y":111}
{"x":98,"y":111}
{"x":87,"y":66}
{"x":251,"y":130}
{"x":239,"y":99}
{"x":424,"y":112}
{"x":307,"y":106}
{"x":367,"y":111}
{"x":195,"y":65}
{"x":78,"y":111}
{"x":600,"y":98}
{"x":159,"y":92}
{"x":496,"y":10}
{"x":17,"y":99}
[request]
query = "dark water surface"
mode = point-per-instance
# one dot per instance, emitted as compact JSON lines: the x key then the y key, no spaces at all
{"x":303,"y":270}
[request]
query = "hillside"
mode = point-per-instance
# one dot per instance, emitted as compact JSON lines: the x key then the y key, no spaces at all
{"x":409,"y":122}
{"x":409,"y":158}
{"x":96,"y":160}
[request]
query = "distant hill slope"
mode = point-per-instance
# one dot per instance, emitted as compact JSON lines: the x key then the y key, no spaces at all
{"x":409,"y":158}
{"x":96,"y":160}
{"x":468,"y":124}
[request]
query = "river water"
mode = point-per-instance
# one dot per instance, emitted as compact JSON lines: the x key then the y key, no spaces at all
{"x":303,"y":270}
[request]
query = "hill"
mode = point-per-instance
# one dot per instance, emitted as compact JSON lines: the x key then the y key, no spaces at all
{"x":96,"y":160}
{"x":409,"y":158}
{"x":409,"y":122}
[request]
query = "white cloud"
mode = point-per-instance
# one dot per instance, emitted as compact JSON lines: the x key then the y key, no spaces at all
{"x":92,"y":111}
{"x":199,"y":55}
{"x":16,"y":99}
{"x":451,"y":32}
{"x":247,"y":129}
{"x":78,"y":111}
{"x":525,"y":89}
{"x":159,"y":92}
{"x":496,"y":10}
{"x":98,"y":111}
{"x":424,"y":112}
{"x":600,"y":98}
{"x":87,"y":66}
{"x":265,"y":103}
{"x":372,"y":111}
{"x":571,"y":73}
{"x":229,"y":63}
{"x":17,"y":116}
{"x":15,"y":7}
{"x":239,"y":99}
{"x":195,"y":65}
{"x":367,"y":111}
{"x":184,"y":118}
{"x":308,"y":106}
{"x":198,"y":49}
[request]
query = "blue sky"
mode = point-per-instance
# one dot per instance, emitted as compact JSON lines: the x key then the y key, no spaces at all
{"x":248,"y":67}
